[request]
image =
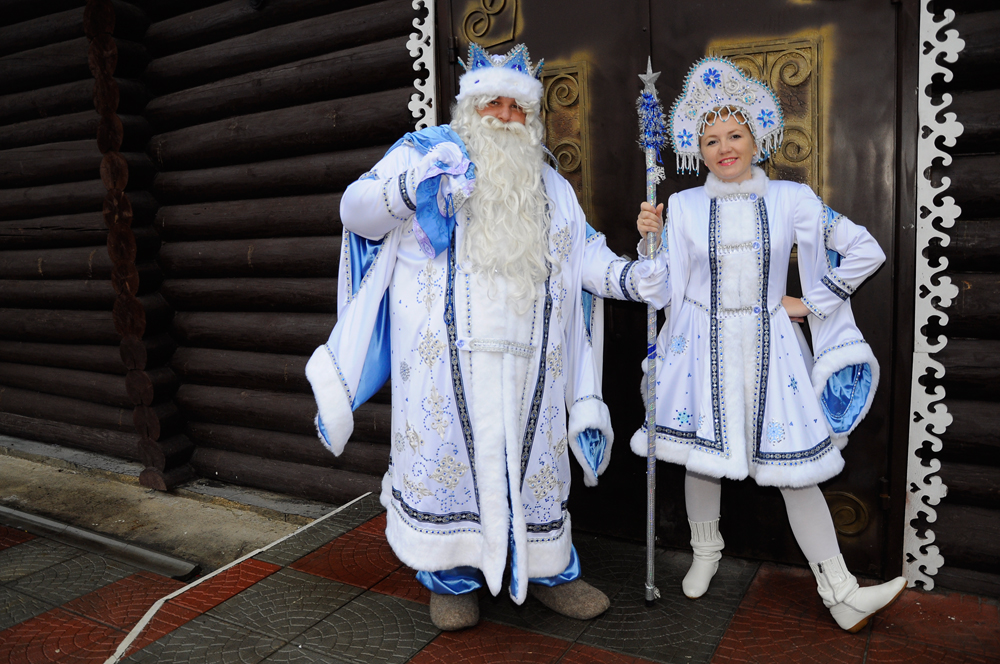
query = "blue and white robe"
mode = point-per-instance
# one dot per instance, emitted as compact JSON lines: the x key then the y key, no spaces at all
{"x":738,"y":391}
{"x":487,"y":405}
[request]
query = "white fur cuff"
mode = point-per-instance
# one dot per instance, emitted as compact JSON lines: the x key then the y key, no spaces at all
{"x":331,"y":399}
{"x":832,"y":361}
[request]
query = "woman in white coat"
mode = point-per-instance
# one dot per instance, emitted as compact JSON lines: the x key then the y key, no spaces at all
{"x":738,"y":391}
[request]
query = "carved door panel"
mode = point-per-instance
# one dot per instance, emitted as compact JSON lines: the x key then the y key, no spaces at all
{"x":834,"y":66}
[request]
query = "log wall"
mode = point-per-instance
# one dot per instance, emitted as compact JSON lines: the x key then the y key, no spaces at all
{"x":258,"y":121}
{"x":170,"y":182}
{"x":966,"y":527}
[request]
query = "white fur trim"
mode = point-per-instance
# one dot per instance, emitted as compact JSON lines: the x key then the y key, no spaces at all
{"x":812,"y":472}
{"x":757,"y":184}
{"x":331,"y":400}
{"x":499,"y":82}
{"x":694,"y":459}
{"x":590,"y":414}
{"x":833,"y":361}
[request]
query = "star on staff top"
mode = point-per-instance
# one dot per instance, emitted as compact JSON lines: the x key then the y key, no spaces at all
{"x":649,"y":78}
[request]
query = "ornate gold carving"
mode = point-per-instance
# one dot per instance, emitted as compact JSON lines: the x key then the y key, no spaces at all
{"x":490,"y":22}
{"x":850,"y":515}
{"x":792,"y":67}
{"x":564,"y":113}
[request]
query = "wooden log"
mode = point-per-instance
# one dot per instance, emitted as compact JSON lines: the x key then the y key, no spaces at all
{"x":46,"y":325}
{"x":71,"y":230}
{"x":122,"y":19}
{"x":50,"y":163}
{"x":979,"y":113}
{"x":293,"y":216}
{"x":230,"y":19}
{"x":288,"y":132}
{"x":31,"y":403}
{"x":274,"y":257}
{"x":297,"y":334}
{"x":165,"y":455}
{"x":102,"y":359}
{"x":121,"y":444}
{"x":979,"y":62}
{"x":42,"y":31}
{"x":159,"y":421}
{"x":107,"y":389}
{"x":259,"y":409}
{"x":959,"y":452}
{"x":367,"y":458}
{"x":159,"y":10}
{"x":61,"y":62}
{"x":975,"y":184}
{"x":72,"y":127}
{"x":966,"y":580}
{"x":976,"y":422}
{"x":68,"y":263}
{"x":159,"y":480}
{"x":971,"y":484}
{"x":311,"y":174}
{"x":53,"y":199}
{"x":281,"y":44}
{"x":242,"y":370}
{"x":301,"y":295}
{"x":146,"y":387}
{"x":974,"y":246}
{"x":326,"y":484}
{"x":57,"y":294}
{"x":968,"y":535}
{"x":370,"y":68}
{"x":972,"y":367}
{"x":20,"y":11}
{"x":373,"y":423}
{"x":976,"y":311}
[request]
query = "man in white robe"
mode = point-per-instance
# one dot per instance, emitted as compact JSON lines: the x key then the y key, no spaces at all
{"x":463,"y":276}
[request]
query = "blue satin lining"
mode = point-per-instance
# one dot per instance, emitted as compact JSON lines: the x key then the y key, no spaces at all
{"x":376,"y":368}
{"x":593,"y":444}
{"x":461,"y":580}
{"x":322,"y":429}
{"x":845,"y":395}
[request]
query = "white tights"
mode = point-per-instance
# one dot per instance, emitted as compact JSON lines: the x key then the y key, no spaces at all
{"x":807,"y":512}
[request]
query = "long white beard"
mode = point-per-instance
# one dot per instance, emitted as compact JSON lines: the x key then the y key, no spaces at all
{"x":507,"y":229}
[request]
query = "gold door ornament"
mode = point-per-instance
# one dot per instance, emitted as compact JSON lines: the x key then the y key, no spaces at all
{"x":490,"y":22}
{"x":564,"y":113}
{"x":792,"y":66}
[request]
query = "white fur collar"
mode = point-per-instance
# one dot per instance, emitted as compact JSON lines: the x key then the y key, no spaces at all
{"x":757,"y":184}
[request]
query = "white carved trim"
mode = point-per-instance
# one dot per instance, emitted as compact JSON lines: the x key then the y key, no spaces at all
{"x":423,"y":103}
{"x":928,"y":417}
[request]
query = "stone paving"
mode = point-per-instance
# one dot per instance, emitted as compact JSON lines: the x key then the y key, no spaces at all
{"x":334,"y":592}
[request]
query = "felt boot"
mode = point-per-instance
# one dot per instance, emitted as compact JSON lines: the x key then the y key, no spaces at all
{"x":576,"y":599}
{"x":707,"y":545}
{"x":849,"y":604}
{"x":451,"y":612}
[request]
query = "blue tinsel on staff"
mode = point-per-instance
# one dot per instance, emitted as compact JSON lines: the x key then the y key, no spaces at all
{"x":652,"y":129}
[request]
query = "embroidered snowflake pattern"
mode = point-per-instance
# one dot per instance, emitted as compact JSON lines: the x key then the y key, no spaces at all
{"x":678,"y":344}
{"x":766,"y":118}
{"x":775,"y":432}
{"x":711,"y":78}
{"x":416,"y":488}
{"x":562,"y":243}
{"x":554,"y":361}
{"x":684,"y":138}
{"x":449,"y":472}
{"x":436,"y":408}
{"x":427,"y":291}
{"x":560,"y":448}
{"x":683,"y":417}
{"x":404,"y":371}
{"x":430,"y":348}
{"x":399,"y":442}
{"x":543,"y":482}
{"x":794,"y":384}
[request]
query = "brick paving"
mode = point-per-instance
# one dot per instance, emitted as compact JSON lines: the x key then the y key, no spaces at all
{"x":335,"y":593}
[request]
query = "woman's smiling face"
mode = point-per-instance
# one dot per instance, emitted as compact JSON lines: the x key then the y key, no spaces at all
{"x":727,"y":148}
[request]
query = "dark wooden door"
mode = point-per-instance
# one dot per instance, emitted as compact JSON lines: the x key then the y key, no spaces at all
{"x":834,"y":65}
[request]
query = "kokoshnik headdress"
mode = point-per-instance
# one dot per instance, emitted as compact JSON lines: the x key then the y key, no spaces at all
{"x":716,"y":83}
{"x":510,"y":75}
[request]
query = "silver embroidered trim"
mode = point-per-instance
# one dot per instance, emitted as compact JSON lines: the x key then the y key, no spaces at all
{"x":502,"y":346}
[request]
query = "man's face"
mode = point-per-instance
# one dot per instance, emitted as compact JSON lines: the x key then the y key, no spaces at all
{"x":505,"y":109}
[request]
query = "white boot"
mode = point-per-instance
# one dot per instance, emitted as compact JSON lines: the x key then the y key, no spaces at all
{"x":849,"y":604}
{"x":707,"y":545}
